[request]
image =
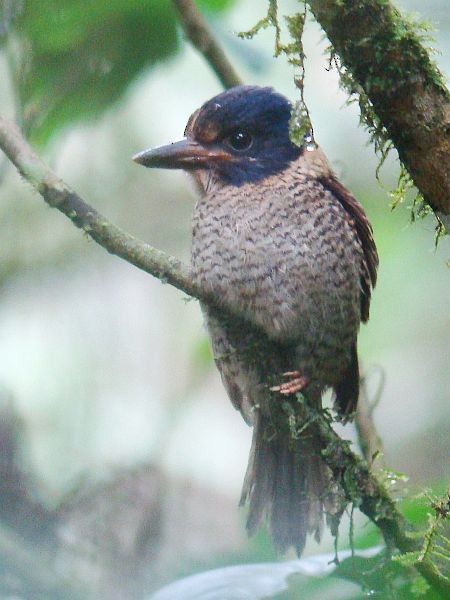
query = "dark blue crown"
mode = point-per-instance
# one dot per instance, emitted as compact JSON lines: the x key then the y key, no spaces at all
{"x":259,"y":112}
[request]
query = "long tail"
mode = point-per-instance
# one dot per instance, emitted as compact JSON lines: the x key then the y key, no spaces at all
{"x":286,"y":483}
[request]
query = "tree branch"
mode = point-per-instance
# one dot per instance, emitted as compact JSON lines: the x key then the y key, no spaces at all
{"x":384,"y":54}
{"x":198,"y":33}
{"x":360,"y":486}
{"x":366,"y":492}
{"x":116,"y":241}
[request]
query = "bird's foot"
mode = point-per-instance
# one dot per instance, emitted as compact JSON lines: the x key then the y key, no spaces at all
{"x":296,"y":383}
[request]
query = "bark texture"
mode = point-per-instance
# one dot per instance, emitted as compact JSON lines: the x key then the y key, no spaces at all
{"x":387,"y":58}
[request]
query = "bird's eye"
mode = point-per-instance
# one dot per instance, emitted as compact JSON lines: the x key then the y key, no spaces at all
{"x":240,"y":140}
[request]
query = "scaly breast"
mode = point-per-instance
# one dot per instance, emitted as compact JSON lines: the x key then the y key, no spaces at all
{"x":280,"y":260}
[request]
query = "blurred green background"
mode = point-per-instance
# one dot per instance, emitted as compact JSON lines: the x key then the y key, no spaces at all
{"x":109,"y":371}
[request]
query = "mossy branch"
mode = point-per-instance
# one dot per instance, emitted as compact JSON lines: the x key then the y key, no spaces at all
{"x":365,"y":491}
{"x":361,"y":487}
{"x":383,"y":56}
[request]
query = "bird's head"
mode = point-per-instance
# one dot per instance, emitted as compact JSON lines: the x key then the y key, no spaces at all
{"x":242,"y":135}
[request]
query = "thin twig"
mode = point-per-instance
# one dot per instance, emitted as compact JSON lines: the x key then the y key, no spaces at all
{"x":365,"y":490}
{"x":368,"y":437}
{"x":199,"y":34}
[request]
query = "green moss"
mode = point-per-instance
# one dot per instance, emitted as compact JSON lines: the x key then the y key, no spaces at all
{"x":419,"y":209}
{"x":436,"y":541}
{"x":412,"y":36}
{"x":391,"y":35}
{"x":301,"y":130}
{"x":388,"y":32}
{"x":271,"y":19}
{"x":300,"y":127}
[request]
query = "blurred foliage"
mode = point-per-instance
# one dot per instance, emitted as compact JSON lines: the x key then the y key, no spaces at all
{"x":382,"y":577}
{"x":71,"y":60}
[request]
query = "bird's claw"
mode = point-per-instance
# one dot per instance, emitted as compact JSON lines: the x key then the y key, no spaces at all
{"x":296,"y":383}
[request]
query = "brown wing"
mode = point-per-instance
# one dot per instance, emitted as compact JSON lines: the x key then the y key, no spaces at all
{"x":364,"y":231}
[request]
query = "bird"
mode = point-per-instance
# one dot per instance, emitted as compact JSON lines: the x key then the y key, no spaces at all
{"x":279,"y":241}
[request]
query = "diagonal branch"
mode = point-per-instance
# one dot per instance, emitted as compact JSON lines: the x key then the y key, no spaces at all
{"x":368,"y":494}
{"x":365,"y":491}
{"x":116,"y":241}
{"x":198,"y":32}
{"x":385,"y":56}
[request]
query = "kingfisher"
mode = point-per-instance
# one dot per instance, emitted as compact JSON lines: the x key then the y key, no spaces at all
{"x":277,"y":238}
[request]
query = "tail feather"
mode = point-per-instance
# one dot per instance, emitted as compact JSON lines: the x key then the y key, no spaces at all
{"x":347,"y":390}
{"x":287,"y":483}
{"x":258,"y":483}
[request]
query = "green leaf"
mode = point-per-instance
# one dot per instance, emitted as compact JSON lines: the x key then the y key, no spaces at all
{"x":72,"y":59}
